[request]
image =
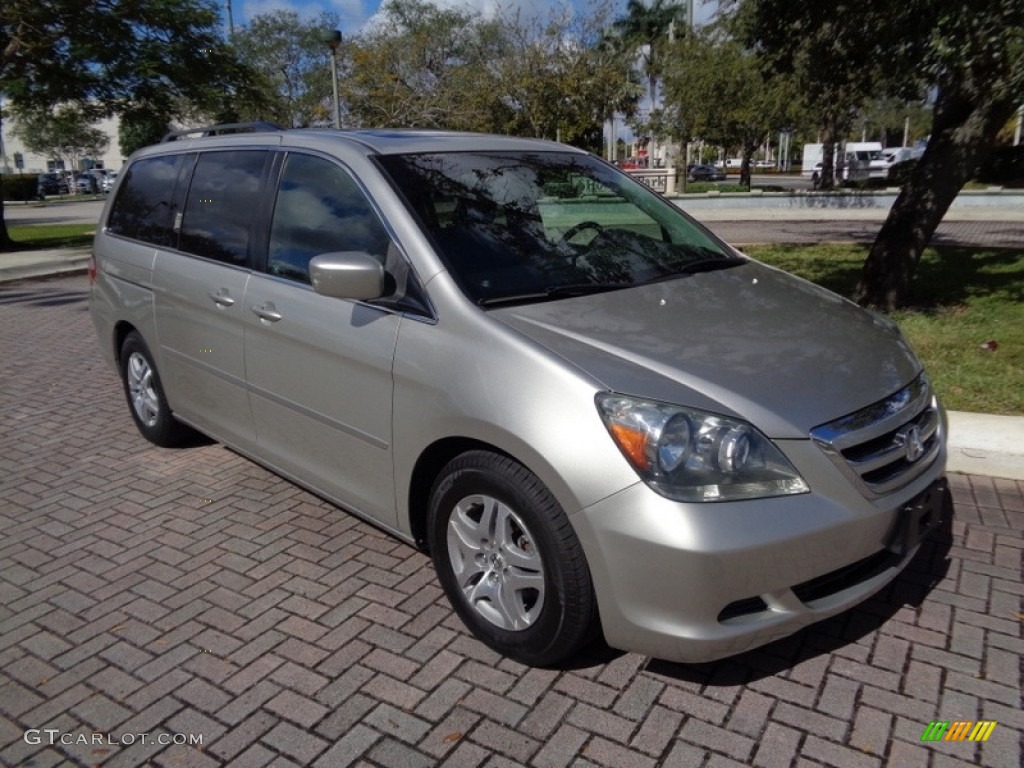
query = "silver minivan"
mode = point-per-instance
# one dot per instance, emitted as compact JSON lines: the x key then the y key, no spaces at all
{"x":596,"y":416}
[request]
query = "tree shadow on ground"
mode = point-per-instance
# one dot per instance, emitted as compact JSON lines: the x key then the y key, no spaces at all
{"x":43,"y":297}
{"x":947,"y":276}
{"x":957,"y":274}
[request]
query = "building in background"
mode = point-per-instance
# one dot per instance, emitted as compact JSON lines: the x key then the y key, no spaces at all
{"x":15,"y":158}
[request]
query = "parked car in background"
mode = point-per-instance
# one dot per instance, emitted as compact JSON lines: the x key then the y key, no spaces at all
{"x":893,"y":155}
{"x":51,"y":184}
{"x":852,"y":161}
{"x":86,"y":184}
{"x":596,"y":416}
{"x":705,"y":173}
{"x":632,"y":163}
{"x":99,"y":175}
{"x":108,"y":180}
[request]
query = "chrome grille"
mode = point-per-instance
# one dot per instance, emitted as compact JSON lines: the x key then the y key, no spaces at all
{"x":885,"y":446}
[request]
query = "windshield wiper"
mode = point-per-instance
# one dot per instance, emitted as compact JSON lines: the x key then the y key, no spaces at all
{"x":553,"y":292}
{"x":700,"y":265}
{"x":711,"y":264}
{"x":582,"y":289}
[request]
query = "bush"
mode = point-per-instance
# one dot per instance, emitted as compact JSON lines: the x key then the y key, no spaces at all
{"x":19,"y":187}
{"x":700,"y":187}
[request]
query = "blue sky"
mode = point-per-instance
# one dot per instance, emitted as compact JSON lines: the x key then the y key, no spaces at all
{"x":354,"y":13}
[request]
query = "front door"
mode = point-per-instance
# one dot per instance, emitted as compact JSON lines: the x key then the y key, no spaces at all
{"x":319,"y":368}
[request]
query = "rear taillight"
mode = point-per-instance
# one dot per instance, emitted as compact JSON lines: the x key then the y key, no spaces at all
{"x":92,"y":268}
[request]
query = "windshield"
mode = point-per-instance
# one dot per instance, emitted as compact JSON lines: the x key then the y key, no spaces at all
{"x":517,"y":226}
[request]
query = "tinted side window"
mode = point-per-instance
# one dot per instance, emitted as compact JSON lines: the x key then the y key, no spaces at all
{"x":222,"y":201}
{"x":144,"y":205}
{"x":320,"y":209}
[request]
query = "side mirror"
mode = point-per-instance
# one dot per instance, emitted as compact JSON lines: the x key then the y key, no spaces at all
{"x":347,"y":275}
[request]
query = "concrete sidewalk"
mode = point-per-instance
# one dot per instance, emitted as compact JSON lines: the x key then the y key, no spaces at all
{"x":979,"y":444}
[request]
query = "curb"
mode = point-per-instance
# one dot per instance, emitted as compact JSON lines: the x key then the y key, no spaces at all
{"x":984,"y":444}
{"x":23,"y":265}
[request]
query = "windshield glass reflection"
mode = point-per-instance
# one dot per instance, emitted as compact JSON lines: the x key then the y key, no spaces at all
{"x":518,"y":227}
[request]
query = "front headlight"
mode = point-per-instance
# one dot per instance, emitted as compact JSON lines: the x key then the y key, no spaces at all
{"x":691,"y":455}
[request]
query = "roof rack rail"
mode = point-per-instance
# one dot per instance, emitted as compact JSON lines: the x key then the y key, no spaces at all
{"x":258,"y":126}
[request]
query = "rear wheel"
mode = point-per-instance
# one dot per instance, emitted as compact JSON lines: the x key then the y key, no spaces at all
{"x":146,"y":398}
{"x":509,"y":560}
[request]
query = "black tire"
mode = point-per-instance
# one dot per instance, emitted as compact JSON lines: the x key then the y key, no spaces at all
{"x":145,"y":395}
{"x":526,"y":540}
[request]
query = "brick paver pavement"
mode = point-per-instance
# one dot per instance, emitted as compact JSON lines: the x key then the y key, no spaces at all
{"x":156,"y":592}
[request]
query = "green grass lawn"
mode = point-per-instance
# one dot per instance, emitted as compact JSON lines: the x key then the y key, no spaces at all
{"x":964,"y":298}
{"x":41,"y":236}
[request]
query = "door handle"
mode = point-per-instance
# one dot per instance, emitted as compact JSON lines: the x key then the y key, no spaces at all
{"x":267,"y":311}
{"x":222,"y":298}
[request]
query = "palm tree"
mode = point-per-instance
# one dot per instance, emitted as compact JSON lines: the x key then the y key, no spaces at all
{"x":648,"y":28}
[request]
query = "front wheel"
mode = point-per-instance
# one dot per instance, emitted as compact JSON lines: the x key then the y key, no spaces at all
{"x":145,"y":394}
{"x":509,"y":560}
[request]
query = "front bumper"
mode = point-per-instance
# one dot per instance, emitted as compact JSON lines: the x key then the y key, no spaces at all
{"x":698,"y":582}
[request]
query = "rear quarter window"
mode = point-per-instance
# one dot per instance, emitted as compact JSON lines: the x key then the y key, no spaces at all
{"x":143,"y":209}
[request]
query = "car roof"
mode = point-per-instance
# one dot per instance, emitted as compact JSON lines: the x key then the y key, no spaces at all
{"x":381,"y":141}
{"x":403,"y":141}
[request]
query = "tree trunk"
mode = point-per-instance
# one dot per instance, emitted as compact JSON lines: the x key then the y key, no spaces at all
{"x":748,"y":153}
{"x":963,"y":134}
{"x":6,"y":244}
{"x":828,"y":156}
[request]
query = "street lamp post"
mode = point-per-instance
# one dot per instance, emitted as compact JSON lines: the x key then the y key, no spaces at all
{"x":333,"y":39}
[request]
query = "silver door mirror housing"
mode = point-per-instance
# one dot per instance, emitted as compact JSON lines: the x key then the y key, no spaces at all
{"x":347,"y":275}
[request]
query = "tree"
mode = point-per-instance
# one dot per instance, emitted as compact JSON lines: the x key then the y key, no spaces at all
{"x":64,"y":135}
{"x":972,"y":58}
{"x":976,"y":61}
{"x":646,"y":31}
{"x":139,"y":129}
{"x":105,"y":57}
{"x":560,"y":77}
{"x":422,"y":66}
{"x":290,"y":54}
{"x":885,"y":119}
{"x":832,"y":54}
{"x":718,"y":92}
{"x":546,"y":75}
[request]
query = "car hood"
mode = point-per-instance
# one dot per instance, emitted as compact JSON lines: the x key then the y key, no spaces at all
{"x":749,"y":341}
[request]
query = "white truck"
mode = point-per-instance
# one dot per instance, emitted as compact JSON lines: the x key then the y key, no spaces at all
{"x":860,"y":160}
